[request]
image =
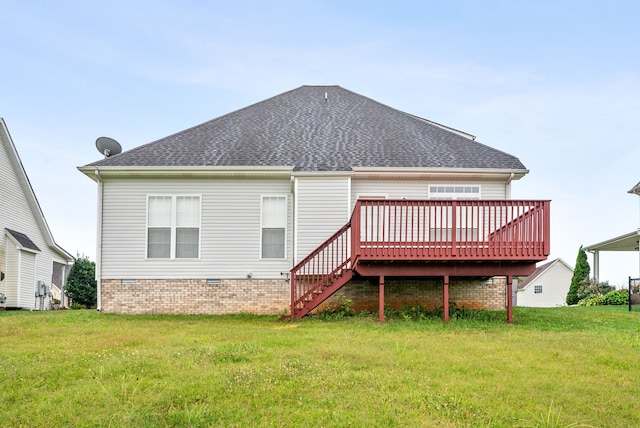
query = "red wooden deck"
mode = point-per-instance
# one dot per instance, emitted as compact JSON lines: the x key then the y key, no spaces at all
{"x":444,"y":238}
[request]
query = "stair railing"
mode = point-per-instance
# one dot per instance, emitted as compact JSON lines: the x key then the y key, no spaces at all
{"x":320,"y":268}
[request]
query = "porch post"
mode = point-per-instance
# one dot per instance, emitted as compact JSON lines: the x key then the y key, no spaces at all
{"x":509,"y":299}
{"x":381,"y":299}
{"x":445,"y":298}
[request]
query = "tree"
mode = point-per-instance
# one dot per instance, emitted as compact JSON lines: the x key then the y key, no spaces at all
{"x":81,"y":284}
{"x":580,"y":274}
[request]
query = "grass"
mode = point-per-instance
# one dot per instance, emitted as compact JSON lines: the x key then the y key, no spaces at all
{"x":563,"y":367}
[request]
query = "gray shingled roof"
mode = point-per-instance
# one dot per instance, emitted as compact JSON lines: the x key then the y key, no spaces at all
{"x":310,"y":132}
{"x":23,"y":240}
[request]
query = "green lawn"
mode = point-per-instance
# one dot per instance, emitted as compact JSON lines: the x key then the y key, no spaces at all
{"x":577,"y":366}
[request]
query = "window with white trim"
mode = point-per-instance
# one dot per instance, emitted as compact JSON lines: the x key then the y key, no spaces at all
{"x":273,"y":227}
{"x":537,"y":289}
{"x":173,"y":227}
{"x":450,"y":191}
{"x":441,"y":218}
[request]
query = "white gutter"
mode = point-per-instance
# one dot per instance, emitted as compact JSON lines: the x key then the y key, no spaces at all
{"x":185,"y":171}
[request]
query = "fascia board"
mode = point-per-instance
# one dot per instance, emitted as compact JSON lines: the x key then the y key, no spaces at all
{"x":168,"y":172}
{"x":439,"y":173}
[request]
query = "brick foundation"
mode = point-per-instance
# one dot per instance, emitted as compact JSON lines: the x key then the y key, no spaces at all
{"x":195,"y":296}
{"x":260,"y":296}
{"x":470,"y":293}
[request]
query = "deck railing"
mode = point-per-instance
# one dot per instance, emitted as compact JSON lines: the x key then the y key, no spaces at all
{"x":424,"y":230}
{"x":402,"y":229}
{"x":320,"y":268}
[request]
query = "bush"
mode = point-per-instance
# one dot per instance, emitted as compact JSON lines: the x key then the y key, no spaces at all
{"x":613,"y":297}
{"x":590,"y":287}
{"x":81,"y":284}
{"x":340,"y":308}
{"x":592,"y":301}
{"x":580,"y":273}
{"x":616,"y":297}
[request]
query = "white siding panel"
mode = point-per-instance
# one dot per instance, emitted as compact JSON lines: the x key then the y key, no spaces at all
{"x":492,"y":190}
{"x":322,"y":209}
{"x":555,"y":284}
{"x":418,"y":189}
{"x":27,"y":283}
{"x":20,"y":213}
{"x":230,"y":229}
{"x":10,"y":283}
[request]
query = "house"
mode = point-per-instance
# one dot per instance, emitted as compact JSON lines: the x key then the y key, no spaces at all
{"x":627,"y":242}
{"x":547,"y":286}
{"x":34,"y":268}
{"x":274,"y":207}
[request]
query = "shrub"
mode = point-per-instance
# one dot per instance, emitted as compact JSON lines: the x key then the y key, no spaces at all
{"x":592,"y":301}
{"x":341,"y":307}
{"x":580,"y":272}
{"x":81,"y":284}
{"x":616,"y":297}
{"x":590,"y":287}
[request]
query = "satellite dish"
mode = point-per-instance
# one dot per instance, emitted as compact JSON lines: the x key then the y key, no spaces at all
{"x":108,"y":146}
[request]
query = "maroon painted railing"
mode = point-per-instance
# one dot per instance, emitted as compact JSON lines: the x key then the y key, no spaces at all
{"x":423,"y":230}
{"x":320,"y":269}
{"x":392,"y":229}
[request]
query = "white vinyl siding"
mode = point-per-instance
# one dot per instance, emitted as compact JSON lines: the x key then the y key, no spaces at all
{"x":230,"y":228}
{"x":20,"y":212}
{"x":549,"y":289}
{"x":322,"y":208}
{"x":419,"y":189}
{"x":27,"y":280}
{"x":392,"y":189}
{"x":10,"y":267}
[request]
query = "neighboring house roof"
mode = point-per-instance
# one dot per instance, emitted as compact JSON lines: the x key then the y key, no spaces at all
{"x":539,"y":271}
{"x":318,"y":128}
{"x":22,"y":240}
{"x":627,"y":242}
{"x":5,"y":138}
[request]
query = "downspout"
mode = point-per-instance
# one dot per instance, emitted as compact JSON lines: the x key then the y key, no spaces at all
{"x":508,"y":185}
{"x":99,"y":242}
{"x":294,"y":190}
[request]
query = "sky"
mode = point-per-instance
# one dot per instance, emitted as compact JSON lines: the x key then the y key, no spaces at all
{"x":555,"y":83}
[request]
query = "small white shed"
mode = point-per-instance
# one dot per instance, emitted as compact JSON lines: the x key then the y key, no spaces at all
{"x":547,"y":286}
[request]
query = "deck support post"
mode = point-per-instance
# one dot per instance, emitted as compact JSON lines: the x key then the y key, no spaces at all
{"x":509,"y":299}
{"x":381,"y":299}
{"x":445,"y":298}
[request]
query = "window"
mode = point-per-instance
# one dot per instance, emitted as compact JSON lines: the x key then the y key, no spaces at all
{"x":448,"y":191}
{"x":273,"y":227}
{"x":468,"y":218}
{"x":173,"y":227}
{"x":537,"y":289}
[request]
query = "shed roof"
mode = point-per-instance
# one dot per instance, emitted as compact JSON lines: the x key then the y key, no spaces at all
{"x":317,"y":128}
{"x":23,"y":240}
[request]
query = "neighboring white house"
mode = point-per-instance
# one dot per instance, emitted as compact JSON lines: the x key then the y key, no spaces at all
{"x":547,"y":287}
{"x":34,"y":267}
{"x":212,"y":219}
{"x":629,"y":242}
